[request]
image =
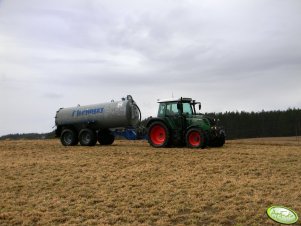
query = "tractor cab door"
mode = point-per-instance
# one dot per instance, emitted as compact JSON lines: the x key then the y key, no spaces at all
{"x":175,"y":120}
{"x":171,"y":113}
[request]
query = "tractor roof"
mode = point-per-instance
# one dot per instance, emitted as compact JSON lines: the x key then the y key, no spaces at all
{"x":183,"y":99}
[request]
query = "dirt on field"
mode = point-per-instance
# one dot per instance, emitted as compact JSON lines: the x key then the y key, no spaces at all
{"x":131,"y":183}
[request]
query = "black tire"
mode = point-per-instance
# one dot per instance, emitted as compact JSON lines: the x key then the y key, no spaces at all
{"x":221,"y":140}
{"x":218,"y":141}
{"x":158,"y":135}
{"x":195,"y":138}
{"x":87,"y":137}
{"x":69,"y":137}
{"x":105,"y":137}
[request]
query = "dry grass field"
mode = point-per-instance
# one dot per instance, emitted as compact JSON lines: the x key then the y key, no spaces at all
{"x":130,"y":183}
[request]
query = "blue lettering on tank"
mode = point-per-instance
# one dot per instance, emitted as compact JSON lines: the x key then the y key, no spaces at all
{"x":86,"y":112}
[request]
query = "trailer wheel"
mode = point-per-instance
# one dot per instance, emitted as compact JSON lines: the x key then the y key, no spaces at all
{"x":87,"y":137}
{"x":195,"y":138}
{"x":105,"y":137}
{"x":69,"y":137}
{"x":158,"y":135}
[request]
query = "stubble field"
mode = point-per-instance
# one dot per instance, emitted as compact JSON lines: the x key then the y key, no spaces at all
{"x":130,"y":183}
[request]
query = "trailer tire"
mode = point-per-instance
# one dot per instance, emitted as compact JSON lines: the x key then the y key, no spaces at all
{"x":69,"y":137}
{"x":87,"y":137}
{"x":158,"y":135}
{"x":105,"y":137}
{"x":196,"y":138}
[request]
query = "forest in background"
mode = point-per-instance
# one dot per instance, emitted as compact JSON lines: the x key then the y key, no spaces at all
{"x":260,"y":124}
{"x":28,"y":136}
{"x":236,"y":124}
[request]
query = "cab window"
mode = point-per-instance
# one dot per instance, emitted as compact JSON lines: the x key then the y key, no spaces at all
{"x":171,"y":109}
{"x":161,"y":111}
{"x":187,"y":108}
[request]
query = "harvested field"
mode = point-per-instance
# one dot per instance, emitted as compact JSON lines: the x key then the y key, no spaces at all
{"x":130,"y":183}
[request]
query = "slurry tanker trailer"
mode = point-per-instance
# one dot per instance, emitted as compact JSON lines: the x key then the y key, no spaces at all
{"x":177,"y":124}
{"x":92,"y":123}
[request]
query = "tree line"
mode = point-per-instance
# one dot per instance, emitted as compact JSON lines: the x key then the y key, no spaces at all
{"x":28,"y":136}
{"x":260,"y":124}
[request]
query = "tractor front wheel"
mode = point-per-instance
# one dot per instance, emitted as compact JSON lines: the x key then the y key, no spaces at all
{"x":195,"y":138}
{"x":221,"y":140}
{"x":158,"y":135}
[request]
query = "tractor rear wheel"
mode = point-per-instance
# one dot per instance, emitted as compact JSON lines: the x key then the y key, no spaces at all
{"x":195,"y":138}
{"x":87,"y":137}
{"x":158,"y":135}
{"x":69,"y":137}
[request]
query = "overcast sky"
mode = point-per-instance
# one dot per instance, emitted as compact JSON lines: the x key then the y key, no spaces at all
{"x":230,"y":55}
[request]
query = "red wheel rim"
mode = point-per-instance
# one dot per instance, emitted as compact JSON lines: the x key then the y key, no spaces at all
{"x":194,"y":139}
{"x":158,"y":135}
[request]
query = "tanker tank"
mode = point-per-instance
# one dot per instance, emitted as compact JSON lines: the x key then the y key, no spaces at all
{"x":82,"y":122}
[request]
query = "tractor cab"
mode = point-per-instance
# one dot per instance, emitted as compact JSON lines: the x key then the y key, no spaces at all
{"x":174,"y":107}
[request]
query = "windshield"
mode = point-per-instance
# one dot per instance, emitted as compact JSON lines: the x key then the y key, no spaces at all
{"x":187,"y":108}
{"x":168,"y":109}
{"x":171,"y":109}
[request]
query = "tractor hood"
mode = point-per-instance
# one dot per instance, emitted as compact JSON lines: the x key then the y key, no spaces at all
{"x":198,"y":121}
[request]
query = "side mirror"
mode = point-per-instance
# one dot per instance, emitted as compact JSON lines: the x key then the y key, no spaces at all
{"x":200,"y":106}
{"x":180,"y":107}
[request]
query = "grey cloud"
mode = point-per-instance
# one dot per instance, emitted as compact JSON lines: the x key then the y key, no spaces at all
{"x":53,"y":95}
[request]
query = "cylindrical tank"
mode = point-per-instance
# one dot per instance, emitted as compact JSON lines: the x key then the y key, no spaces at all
{"x":124,"y":113}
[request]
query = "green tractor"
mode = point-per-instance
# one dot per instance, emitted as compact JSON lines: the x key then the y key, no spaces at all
{"x":178,"y":124}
